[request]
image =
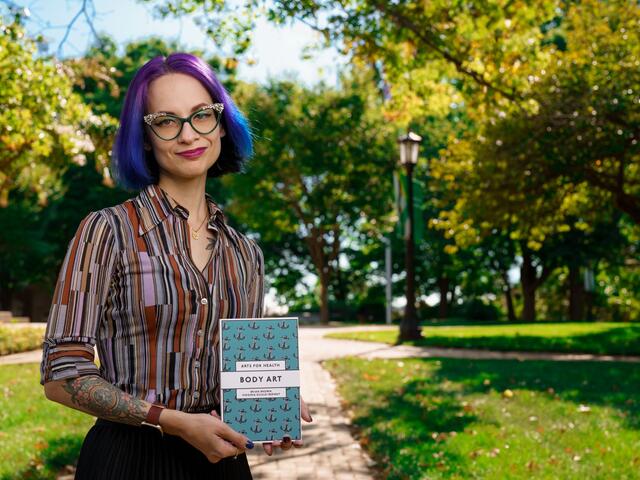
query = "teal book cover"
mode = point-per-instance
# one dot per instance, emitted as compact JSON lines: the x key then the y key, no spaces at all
{"x":260,"y":377}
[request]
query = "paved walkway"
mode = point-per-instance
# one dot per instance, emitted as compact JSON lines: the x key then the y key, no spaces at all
{"x":330,"y":452}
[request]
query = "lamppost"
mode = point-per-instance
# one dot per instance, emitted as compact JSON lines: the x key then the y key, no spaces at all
{"x":409,"y":329}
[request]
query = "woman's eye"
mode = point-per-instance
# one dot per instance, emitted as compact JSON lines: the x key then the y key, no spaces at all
{"x":165,"y":122}
{"x":203,"y":115}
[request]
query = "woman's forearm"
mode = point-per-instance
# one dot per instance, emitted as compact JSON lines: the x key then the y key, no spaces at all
{"x":94,"y":395}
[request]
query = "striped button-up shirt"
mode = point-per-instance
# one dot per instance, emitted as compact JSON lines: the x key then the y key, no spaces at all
{"x":129,"y":286}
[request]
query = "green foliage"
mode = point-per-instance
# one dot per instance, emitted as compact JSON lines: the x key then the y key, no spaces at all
{"x":598,"y":338}
{"x":477,"y":309}
{"x":16,"y":339}
{"x":459,"y":419}
{"x":25,"y":253}
{"x":554,"y":166}
{"x":39,"y":437}
{"x":320,"y":177}
{"x":44,"y":125}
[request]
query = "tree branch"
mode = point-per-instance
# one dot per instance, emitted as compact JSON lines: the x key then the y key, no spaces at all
{"x":402,"y":21}
{"x":82,"y":12}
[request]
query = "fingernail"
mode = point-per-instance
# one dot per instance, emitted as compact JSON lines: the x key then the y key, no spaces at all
{"x":249,"y":444}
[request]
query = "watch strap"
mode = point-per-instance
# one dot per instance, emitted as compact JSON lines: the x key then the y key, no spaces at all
{"x":153,"y":417}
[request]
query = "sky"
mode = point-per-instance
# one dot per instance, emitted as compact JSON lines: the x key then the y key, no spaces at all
{"x":276,"y":51}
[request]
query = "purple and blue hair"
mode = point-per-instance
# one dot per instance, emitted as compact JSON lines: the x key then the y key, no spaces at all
{"x":135,"y":167}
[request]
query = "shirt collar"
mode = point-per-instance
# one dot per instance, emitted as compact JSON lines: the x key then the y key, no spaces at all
{"x":154,"y":207}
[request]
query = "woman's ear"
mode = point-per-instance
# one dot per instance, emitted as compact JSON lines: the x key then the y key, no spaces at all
{"x":222,"y":132}
{"x":146,"y":146}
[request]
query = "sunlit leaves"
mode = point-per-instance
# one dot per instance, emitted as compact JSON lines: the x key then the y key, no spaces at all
{"x":42,"y":122}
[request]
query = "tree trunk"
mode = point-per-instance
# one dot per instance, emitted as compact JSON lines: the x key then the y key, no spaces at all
{"x":529,"y":280}
{"x":324,"y":298}
{"x":576,"y":295}
{"x":340,"y":291}
{"x":452,"y":297}
{"x":511,"y":311}
{"x":508,"y":296}
{"x":443,"y":286}
{"x":6,"y":298}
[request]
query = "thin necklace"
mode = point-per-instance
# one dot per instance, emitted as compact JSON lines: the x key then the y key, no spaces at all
{"x":194,"y":232}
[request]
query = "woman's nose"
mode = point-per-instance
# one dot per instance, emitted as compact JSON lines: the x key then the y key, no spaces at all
{"x":188,"y":133}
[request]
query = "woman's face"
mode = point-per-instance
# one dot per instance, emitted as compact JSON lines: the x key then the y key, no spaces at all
{"x":191,"y":154}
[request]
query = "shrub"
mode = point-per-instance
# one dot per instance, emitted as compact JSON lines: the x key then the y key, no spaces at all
{"x":476,"y":309}
{"x":15,"y":339}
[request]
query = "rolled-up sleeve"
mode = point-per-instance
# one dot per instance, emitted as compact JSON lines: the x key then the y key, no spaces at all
{"x":78,"y":301}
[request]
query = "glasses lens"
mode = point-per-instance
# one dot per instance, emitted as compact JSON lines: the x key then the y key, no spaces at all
{"x":205,"y":120}
{"x":166,"y":127}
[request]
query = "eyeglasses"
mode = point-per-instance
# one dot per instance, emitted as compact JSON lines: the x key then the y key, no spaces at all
{"x":168,"y":127}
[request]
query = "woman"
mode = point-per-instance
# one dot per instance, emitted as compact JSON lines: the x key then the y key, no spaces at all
{"x":146,"y":282}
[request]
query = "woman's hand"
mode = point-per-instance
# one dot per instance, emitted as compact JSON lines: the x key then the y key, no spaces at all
{"x":214,"y":438}
{"x":286,"y":442}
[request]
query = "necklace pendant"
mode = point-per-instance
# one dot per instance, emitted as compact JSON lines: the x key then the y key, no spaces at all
{"x":195,"y":235}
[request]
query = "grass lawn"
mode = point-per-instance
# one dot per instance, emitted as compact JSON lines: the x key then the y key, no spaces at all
{"x":599,"y":338}
{"x":487,"y":419}
{"x":37,"y":437}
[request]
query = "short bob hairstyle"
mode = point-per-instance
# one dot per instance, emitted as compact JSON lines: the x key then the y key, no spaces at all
{"x":135,"y":167}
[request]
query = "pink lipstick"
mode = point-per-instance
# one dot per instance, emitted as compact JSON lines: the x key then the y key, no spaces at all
{"x":192,"y":154}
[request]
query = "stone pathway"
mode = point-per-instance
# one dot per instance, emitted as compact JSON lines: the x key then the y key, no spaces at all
{"x":330,"y":452}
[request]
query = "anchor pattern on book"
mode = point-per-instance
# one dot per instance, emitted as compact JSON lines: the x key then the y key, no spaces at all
{"x":260,"y":340}
{"x":267,"y":418}
{"x":271,"y":420}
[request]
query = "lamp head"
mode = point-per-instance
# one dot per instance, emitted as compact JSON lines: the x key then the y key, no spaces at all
{"x":409,"y":145}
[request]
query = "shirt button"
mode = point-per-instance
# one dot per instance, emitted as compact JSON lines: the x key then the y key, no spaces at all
{"x":196,"y":395}
{"x":199,"y":333}
{"x":204,"y":301}
{"x":196,"y":363}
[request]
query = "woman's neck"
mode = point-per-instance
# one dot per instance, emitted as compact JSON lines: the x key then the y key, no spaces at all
{"x":189,"y":194}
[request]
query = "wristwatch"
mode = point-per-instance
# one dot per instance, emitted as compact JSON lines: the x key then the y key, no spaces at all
{"x":153,"y":417}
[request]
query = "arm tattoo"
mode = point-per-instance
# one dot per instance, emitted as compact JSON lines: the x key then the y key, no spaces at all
{"x":99,"y":397}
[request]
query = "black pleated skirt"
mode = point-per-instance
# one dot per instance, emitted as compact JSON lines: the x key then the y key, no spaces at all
{"x":117,"y":451}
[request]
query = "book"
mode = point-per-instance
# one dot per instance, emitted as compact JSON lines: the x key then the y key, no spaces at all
{"x":260,"y":377}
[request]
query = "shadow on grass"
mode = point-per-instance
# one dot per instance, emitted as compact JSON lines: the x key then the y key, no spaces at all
{"x":609,"y":384}
{"x":58,"y":453}
{"x":615,"y":341}
{"x":412,"y":444}
{"x":405,"y":419}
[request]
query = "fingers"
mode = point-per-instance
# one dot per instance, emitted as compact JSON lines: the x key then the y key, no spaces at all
{"x":226,"y":449}
{"x":268,"y":448}
{"x":235,"y":438}
{"x":286,"y":443}
{"x":304,"y":411}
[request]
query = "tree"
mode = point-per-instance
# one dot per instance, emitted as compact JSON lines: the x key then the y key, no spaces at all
{"x":404,"y":36}
{"x":321,"y":172}
{"x":541,"y":172}
{"x":44,"y":125}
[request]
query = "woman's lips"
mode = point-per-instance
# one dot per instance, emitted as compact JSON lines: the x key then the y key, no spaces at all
{"x":191,"y":154}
